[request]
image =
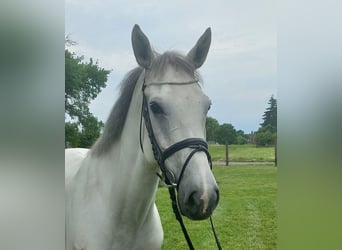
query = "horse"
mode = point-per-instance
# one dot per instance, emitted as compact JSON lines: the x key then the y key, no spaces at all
{"x":111,"y":188}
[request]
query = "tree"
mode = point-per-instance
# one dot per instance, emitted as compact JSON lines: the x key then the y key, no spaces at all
{"x":90,"y":132}
{"x":72,"y":135}
{"x":265,"y":137}
{"x":83,"y":82}
{"x":270,"y":115}
{"x":241,"y":138}
{"x":226,"y":134}
{"x":212,"y":127}
{"x":267,"y":133}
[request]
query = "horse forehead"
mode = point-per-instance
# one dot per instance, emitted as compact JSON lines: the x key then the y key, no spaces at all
{"x":179,"y":94}
{"x":191,"y":89}
{"x":170,"y":74}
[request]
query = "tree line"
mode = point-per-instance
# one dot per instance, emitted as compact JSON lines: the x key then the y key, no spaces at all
{"x":224,"y":133}
{"x":85,"y":80}
{"x":264,"y":136}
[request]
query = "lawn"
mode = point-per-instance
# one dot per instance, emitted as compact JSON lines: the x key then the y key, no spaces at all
{"x":244,"y":219}
{"x":245,"y":153}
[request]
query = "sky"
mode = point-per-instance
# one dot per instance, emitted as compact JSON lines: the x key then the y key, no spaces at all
{"x":240,"y":72}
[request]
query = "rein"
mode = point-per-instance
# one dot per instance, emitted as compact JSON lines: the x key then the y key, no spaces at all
{"x":196,"y":144}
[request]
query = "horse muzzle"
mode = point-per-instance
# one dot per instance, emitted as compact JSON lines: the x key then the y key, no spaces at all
{"x":199,"y":205}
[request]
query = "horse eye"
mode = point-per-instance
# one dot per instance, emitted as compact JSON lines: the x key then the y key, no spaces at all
{"x":209,"y":107}
{"x":156,"y":109}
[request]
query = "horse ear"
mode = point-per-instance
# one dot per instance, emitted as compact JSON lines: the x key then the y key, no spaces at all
{"x":141,"y":46}
{"x":198,"y":54}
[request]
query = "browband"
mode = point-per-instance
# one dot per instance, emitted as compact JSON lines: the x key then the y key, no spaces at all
{"x":171,"y":83}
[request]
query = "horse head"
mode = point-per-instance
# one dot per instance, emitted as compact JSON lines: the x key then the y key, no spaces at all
{"x":176,"y":108}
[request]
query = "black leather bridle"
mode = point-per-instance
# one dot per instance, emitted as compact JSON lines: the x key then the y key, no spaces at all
{"x":195,"y":144}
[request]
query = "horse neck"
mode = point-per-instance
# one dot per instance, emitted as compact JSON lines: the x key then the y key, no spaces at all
{"x":134,"y":179}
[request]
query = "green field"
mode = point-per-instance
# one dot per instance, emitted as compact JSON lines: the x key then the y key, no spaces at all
{"x":244,"y":153}
{"x":244,"y":219}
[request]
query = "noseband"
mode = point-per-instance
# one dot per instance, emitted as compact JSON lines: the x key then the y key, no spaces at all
{"x":195,"y":144}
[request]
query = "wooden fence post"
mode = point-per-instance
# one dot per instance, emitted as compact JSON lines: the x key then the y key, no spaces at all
{"x":275,"y":153}
{"x":227,"y":160}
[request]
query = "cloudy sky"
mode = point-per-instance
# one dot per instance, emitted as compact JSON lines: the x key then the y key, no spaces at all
{"x":239,"y":74}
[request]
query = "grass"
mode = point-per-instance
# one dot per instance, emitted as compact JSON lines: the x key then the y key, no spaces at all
{"x":244,"y":219}
{"x":244,"y":153}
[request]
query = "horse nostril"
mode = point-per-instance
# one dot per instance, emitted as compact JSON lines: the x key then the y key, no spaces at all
{"x":217,"y":195}
{"x":192,"y":199}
